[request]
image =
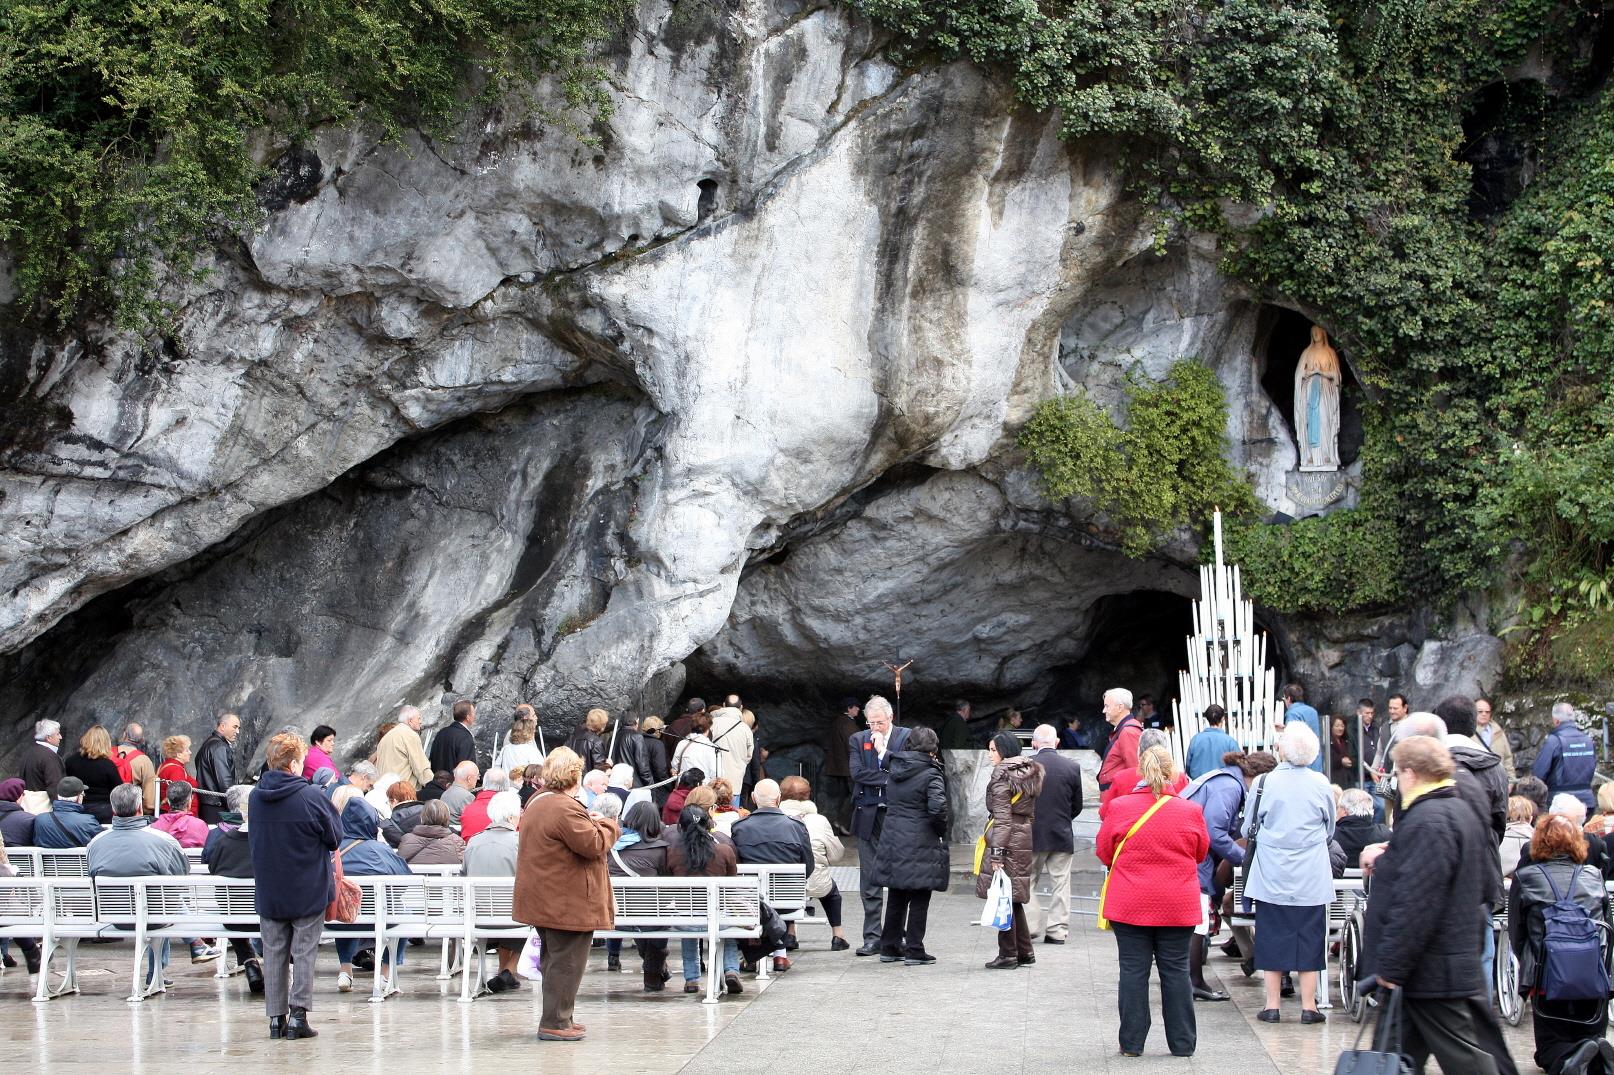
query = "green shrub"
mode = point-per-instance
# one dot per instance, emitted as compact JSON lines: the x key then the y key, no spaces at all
{"x":124,"y":126}
{"x":1164,"y":468}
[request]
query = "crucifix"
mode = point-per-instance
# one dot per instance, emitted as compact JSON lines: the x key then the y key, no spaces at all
{"x":896,"y":682}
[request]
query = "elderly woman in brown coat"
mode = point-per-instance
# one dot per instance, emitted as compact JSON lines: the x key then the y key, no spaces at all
{"x":1011,"y":801}
{"x":562,"y":887}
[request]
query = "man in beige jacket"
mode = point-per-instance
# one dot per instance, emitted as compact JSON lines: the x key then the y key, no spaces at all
{"x":730,"y":732}
{"x":400,"y":752}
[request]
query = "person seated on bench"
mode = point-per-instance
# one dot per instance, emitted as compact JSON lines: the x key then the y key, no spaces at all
{"x":68,"y":824}
{"x":492,"y":853}
{"x":228,"y":853}
{"x":29,"y":946}
{"x":16,"y":824}
{"x":132,"y":848}
{"x":771,"y":836}
{"x":698,"y":852}
{"x":432,"y":842}
{"x":642,"y":852}
{"x":178,"y":821}
{"x":363,"y":855}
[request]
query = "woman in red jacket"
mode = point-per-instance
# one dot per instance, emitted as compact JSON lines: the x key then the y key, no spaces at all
{"x":1152,"y":842}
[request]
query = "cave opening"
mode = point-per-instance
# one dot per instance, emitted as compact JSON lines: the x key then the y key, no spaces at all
{"x":1138,"y":642}
{"x":706,"y":203}
{"x":1281,"y":334}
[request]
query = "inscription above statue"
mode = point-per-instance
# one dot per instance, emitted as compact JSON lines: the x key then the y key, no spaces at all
{"x":1317,"y":382}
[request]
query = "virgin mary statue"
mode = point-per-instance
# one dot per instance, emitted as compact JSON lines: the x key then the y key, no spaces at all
{"x":1317,"y":383}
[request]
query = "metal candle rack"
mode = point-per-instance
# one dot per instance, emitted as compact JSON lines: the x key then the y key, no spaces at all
{"x":1227,"y":663}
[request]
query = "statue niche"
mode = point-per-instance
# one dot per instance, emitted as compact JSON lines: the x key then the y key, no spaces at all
{"x":1317,"y":388}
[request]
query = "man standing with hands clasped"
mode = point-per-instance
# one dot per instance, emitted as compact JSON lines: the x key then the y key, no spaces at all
{"x":866,"y":755}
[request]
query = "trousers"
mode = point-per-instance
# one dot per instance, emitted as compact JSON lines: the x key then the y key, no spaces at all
{"x":1054,"y":921}
{"x":290,"y":946}
{"x":873,"y":907}
{"x":907,"y":910}
{"x":1459,"y":1032}
{"x":832,"y":904}
{"x":565,"y":955}
{"x":1166,"y":948}
{"x":1015,"y":943}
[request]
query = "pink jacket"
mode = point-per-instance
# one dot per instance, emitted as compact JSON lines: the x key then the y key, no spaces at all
{"x":189,"y":831}
{"x":316,"y":760}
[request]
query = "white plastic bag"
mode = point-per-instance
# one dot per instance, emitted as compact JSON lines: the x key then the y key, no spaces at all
{"x":999,"y":911}
{"x":530,"y":965}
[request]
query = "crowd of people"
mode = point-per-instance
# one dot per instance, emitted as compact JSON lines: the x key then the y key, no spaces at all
{"x":1428,"y":808}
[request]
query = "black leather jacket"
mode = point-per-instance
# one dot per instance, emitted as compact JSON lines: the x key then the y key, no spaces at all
{"x":1530,"y":894}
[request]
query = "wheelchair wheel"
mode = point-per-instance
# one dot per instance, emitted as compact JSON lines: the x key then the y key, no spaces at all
{"x":1507,"y":981}
{"x":1350,"y":958}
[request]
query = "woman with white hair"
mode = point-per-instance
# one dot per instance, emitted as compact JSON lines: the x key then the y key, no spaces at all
{"x":1289,"y":825}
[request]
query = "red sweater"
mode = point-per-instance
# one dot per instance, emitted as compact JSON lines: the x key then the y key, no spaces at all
{"x":1122,"y":753}
{"x":1155,"y":882}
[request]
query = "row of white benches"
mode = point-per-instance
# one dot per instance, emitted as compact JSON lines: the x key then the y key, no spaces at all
{"x":63,"y":909}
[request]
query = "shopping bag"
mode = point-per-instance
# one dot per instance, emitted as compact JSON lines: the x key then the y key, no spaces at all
{"x":530,"y":965}
{"x":999,"y":911}
{"x":1385,"y":1056}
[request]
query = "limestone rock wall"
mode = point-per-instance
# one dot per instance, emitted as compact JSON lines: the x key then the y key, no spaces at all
{"x":515,"y":415}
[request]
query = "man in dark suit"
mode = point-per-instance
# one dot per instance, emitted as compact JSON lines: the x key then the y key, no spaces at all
{"x":868,"y":752}
{"x":454,"y":743}
{"x":1052,"y":845}
{"x":40,"y":764}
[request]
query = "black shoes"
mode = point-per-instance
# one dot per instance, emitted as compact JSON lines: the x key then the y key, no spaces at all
{"x":1579,"y":1062}
{"x":1053,"y":940}
{"x":1209,"y":994}
{"x":1003,"y":963}
{"x":1313,"y":1017}
{"x":791,"y":944}
{"x":1248,"y":967}
{"x":838,"y":944}
{"x":923,"y":959}
{"x":870,"y":949}
{"x":297,"y":1025}
{"x":277,"y":1026}
{"x":1288,"y":989}
{"x":1026,"y":961}
{"x":254,"y":973}
{"x":890,"y":957}
{"x":613,"y":963}
{"x":1269,"y":1015}
{"x":503,"y":982}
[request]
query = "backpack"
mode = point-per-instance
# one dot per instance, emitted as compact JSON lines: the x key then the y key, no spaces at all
{"x":1572,"y":963}
{"x":121,"y":760}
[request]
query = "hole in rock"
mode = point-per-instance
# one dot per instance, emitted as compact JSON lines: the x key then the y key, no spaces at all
{"x":707,"y":202}
{"x":1500,"y":127}
{"x":1281,"y":334}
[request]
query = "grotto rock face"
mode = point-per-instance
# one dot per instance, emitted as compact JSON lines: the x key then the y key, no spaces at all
{"x":728,"y":392}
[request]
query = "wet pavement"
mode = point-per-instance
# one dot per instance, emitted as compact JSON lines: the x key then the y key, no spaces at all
{"x":833,"y":1012}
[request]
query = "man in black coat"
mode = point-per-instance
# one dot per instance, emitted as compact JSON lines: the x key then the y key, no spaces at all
{"x":454,"y":744}
{"x":867,"y":752}
{"x":1425,"y":914}
{"x":768,"y":835}
{"x":215,"y":767}
{"x":1052,"y":844}
{"x":40,"y":764}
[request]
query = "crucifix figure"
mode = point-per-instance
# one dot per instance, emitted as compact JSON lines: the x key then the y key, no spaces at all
{"x":896,"y":682}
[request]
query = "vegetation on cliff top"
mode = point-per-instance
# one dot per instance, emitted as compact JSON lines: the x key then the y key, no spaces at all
{"x":1435,"y":183}
{"x":125,"y":126}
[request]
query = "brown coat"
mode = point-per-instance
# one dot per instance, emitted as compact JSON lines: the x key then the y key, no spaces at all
{"x":1008,"y":838}
{"x":561,"y":879}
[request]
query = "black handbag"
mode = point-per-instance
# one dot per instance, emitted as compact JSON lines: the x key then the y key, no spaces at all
{"x":1385,"y":1056}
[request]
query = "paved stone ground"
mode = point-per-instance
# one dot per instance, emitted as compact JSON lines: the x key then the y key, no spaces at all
{"x":832,"y":1013}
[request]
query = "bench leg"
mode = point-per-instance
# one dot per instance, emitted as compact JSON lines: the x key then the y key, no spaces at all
{"x":147,"y":984}
{"x":714,"y":968}
{"x":446,"y":968}
{"x":50,"y":946}
{"x":763,"y":963}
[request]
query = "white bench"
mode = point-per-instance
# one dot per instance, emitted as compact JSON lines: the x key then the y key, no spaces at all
{"x":393,"y":909}
{"x":679,"y":908}
{"x":60,"y":911}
